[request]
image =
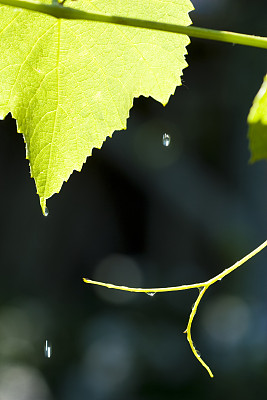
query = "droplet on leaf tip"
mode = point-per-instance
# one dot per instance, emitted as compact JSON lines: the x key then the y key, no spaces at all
{"x":46,"y":212}
{"x":166,"y":139}
{"x":151,"y":294}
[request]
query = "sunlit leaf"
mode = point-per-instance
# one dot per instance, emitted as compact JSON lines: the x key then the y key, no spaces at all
{"x":70,"y":84}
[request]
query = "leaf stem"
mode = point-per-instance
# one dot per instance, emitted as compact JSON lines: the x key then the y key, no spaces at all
{"x":57,"y":11}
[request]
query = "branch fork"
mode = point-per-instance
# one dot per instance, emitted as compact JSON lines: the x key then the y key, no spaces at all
{"x":203,"y":286}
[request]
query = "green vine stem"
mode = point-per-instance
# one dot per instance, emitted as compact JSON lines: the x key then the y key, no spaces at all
{"x":55,"y":9}
{"x":203,"y":286}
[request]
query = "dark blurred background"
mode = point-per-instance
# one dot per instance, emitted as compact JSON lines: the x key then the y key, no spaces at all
{"x":142,"y":214}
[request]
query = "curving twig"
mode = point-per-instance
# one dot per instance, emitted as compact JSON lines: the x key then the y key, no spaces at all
{"x":203,"y":286}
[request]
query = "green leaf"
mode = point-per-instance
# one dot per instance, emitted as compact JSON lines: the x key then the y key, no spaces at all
{"x":257,"y":120}
{"x":70,"y":84}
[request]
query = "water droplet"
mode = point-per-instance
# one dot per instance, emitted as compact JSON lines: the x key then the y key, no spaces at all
{"x":151,"y":294}
{"x":47,"y":349}
{"x":46,"y":212}
{"x":166,"y":140}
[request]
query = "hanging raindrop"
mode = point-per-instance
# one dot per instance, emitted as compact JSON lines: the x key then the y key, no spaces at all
{"x":47,"y":349}
{"x":166,"y":140}
{"x":151,"y":294}
{"x":46,"y":212}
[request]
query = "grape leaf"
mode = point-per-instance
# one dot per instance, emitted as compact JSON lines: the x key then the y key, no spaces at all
{"x":257,"y":120}
{"x":70,"y":84}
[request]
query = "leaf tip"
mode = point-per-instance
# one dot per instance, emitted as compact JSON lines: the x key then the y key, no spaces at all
{"x":44,"y":208}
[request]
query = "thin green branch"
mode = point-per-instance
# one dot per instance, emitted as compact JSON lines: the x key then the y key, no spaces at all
{"x":237,"y":264}
{"x":188,"y":330}
{"x":58,"y":11}
{"x":203,"y":286}
{"x":181,"y":287}
{"x":140,"y":290}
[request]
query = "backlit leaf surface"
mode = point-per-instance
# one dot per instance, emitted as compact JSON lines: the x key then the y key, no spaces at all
{"x":70,"y":84}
